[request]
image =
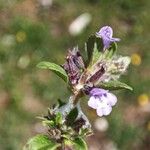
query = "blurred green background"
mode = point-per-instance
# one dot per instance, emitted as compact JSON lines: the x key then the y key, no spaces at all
{"x":35,"y":30}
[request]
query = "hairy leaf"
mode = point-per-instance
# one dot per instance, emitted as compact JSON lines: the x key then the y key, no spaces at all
{"x":41,"y":142}
{"x":115,"y":85}
{"x":55,"y":68}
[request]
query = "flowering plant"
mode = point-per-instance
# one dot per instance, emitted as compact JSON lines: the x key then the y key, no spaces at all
{"x":96,"y":77}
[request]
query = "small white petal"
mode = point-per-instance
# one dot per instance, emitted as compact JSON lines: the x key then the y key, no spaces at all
{"x":99,"y":112}
{"x":104,"y":100}
{"x":104,"y":111}
{"x":112,"y":99}
{"x":93,"y":102}
{"x":107,"y":110}
{"x":102,"y":103}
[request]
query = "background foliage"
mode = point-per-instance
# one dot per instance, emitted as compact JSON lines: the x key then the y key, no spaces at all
{"x":31,"y":32}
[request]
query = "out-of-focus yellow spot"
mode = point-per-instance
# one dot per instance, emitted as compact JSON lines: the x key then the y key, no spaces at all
{"x":148,"y":126}
{"x":20,"y":36}
{"x":136,"y":59}
{"x":143,"y":99}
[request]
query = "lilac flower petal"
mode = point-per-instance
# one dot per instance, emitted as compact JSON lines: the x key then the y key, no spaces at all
{"x":106,"y":42}
{"x":93,"y":102}
{"x":115,"y":39}
{"x":112,"y":99}
{"x":98,"y":92}
{"x":106,"y":34}
{"x":106,"y":31}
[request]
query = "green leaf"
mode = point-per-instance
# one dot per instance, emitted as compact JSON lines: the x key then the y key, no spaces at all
{"x":79,"y":144}
{"x":58,"y":118}
{"x":96,"y":54}
{"x":109,"y":53}
{"x":49,"y":123}
{"x":112,"y":50}
{"x":85,"y":132}
{"x":55,"y":68}
{"x":90,"y":44}
{"x":71,"y":117}
{"x":115,"y":85}
{"x":41,"y":142}
{"x":61,"y":103}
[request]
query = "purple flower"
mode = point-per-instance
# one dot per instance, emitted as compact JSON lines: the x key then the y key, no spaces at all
{"x":102,"y":100}
{"x":106,"y":34}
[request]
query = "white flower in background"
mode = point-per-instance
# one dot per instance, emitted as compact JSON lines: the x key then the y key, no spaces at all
{"x":23,"y":61}
{"x":101,"y":124}
{"x":46,"y":3}
{"x":79,"y":24}
{"x":110,"y":146}
{"x":8,"y":40}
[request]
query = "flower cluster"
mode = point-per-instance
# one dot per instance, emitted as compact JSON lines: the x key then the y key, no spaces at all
{"x":103,"y":68}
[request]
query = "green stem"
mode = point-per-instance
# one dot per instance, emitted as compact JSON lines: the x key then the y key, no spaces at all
{"x":63,"y":145}
{"x":76,"y":98}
